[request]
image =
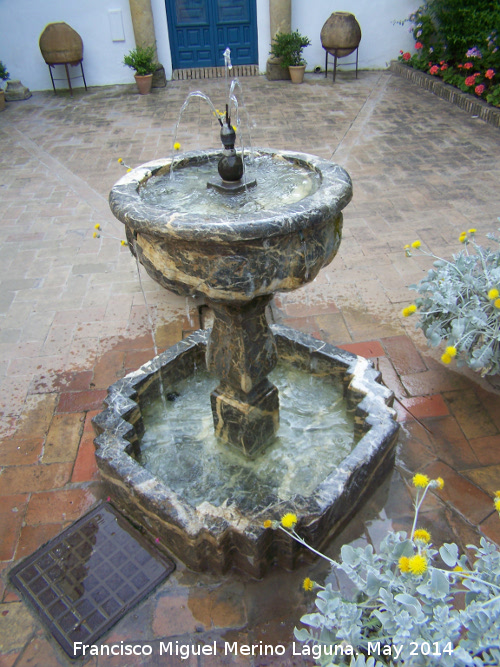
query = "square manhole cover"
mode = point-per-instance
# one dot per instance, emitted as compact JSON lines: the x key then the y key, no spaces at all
{"x":85,"y":579}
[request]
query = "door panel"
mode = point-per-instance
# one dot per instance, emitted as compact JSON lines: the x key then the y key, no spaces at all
{"x":201,"y":30}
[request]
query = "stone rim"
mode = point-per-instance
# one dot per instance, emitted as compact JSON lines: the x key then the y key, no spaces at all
{"x":333,"y":195}
{"x":210,"y":529}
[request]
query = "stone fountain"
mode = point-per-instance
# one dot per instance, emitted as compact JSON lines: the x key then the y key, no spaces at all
{"x":237,"y":260}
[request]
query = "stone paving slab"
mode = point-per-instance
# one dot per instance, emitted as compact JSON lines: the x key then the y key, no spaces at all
{"x":73,"y":319}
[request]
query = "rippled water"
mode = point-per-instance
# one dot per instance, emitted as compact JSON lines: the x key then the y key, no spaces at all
{"x":279,"y":182}
{"x":315,"y":435}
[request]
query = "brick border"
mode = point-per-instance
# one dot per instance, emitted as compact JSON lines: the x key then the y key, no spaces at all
{"x":473,"y":106}
{"x":214,"y":72}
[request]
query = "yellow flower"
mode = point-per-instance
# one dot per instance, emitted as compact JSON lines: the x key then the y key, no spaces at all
{"x":406,"y":246}
{"x":493,"y":294}
{"x":97,"y":226}
{"x":409,"y":310}
{"x":496,"y":502}
{"x":177,"y":146}
{"x":234,"y":128}
{"x":289,"y":520}
{"x":451,"y":350}
{"x":95,"y":235}
{"x":417,"y":564}
{"x":463,"y":237}
{"x":472,"y":230}
{"x":308,"y":584}
{"x":404,"y":564}
{"x":422,"y":535}
{"x":445,"y":358}
{"x":120,"y":160}
{"x":122,"y":242}
{"x":497,"y":494}
{"x":420,"y":480}
{"x":416,"y":244}
{"x":496,"y":303}
{"x":439,"y":482}
{"x":268,"y":523}
{"x":458,"y":568}
{"x":129,"y":169}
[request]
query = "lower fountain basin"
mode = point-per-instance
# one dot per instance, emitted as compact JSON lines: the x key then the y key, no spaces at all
{"x":216,"y":536}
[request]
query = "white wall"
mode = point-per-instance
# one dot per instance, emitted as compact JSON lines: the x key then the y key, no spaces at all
{"x":380,"y":39}
{"x":22,"y":21}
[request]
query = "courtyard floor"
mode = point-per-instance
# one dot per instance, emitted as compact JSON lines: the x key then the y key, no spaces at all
{"x":74,"y":319}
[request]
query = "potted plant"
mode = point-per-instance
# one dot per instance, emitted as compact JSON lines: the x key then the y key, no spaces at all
{"x":4,"y":76}
{"x":288,"y":47}
{"x":142,"y":59}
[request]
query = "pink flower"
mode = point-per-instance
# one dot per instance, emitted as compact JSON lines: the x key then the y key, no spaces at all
{"x":406,"y":56}
{"x":479,"y":90}
{"x":470,"y":80}
{"x":460,"y":66}
{"x":490,"y":73}
{"x":468,"y":65}
{"x":419,"y":45}
{"x":434,"y":69}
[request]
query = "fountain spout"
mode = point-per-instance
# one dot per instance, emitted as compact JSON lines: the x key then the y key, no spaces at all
{"x":230,"y":167}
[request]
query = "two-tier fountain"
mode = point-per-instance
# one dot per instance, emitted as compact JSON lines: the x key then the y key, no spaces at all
{"x":236,"y":242}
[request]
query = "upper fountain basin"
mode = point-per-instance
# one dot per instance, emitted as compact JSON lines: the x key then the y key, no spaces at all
{"x":263,"y":248}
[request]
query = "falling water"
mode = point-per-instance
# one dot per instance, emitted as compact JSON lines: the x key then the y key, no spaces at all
{"x":150,"y":321}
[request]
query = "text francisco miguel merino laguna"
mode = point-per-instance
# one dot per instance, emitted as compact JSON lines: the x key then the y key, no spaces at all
{"x":184,"y":651}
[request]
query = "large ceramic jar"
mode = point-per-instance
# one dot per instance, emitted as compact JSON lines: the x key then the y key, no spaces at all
{"x":59,"y":43}
{"x":341,"y":34}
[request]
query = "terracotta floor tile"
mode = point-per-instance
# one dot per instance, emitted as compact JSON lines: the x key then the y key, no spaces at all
{"x":470,"y":414}
{"x":33,"y":537}
{"x":421,"y":407}
{"x":487,"y":449}
{"x":37,"y":416}
{"x":9,"y":659}
{"x":41,"y":653}
{"x":60,"y":506}
{"x":63,"y":438}
{"x":12,"y":511}
{"x":404,"y":355}
{"x":81,"y":401}
{"x":135,"y":358}
{"x":390,"y":378}
{"x":432,"y":382}
{"x":333,"y":329}
{"x":108,"y":369}
{"x":305,"y":324}
{"x":491,"y":528}
{"x":16,"y":626}
{"x":309,"y":309}
{"x":20,"y":451}
{"x":173,"y":615}
{"x":491,"y":402}
{"x":33,"y":478}
{"x":487,"y":478}
{"x":368,"y":350}
{"x":460,"y":493}
{"x":465,"y":534}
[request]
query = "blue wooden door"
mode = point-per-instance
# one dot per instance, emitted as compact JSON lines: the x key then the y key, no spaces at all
{"x":201,"y":30}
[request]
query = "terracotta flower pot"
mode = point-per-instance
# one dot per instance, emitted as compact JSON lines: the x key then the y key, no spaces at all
{"x":297,"y":73}
{"x":144,"y":83}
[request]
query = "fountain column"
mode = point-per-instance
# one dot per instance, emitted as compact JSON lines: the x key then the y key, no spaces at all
{"x":241,"y":352}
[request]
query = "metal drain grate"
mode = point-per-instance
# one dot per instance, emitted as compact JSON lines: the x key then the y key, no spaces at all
{"x":85,"y":579}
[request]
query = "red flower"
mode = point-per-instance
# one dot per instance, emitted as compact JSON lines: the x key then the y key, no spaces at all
{"x":434,"y":69}
{"x":419,"y":45}
{"x":406,"y":56}
{"x":460,"y":66}
{"x":490,"y":73}
{"x":468,"y":65}
{"x":443,"y":67}
{"x":479,"y":90}
{"x":470,"y":80}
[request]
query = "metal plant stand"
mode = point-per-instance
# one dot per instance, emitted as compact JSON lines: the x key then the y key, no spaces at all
{"x":335,"y":54}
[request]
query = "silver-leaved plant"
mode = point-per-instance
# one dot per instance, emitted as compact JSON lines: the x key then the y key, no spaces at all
{"x":460,"y":304}
{"x":403,"y":608}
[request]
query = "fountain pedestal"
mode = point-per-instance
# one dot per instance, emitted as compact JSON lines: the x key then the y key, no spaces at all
{"x":241,"y":352}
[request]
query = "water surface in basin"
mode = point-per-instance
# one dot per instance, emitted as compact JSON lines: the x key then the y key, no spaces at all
{"x":179,"y":447}
{"x":279,"y":182}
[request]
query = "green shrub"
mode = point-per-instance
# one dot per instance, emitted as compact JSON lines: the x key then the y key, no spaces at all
{"x":288,"y":46}
{"x":142,"y":59}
